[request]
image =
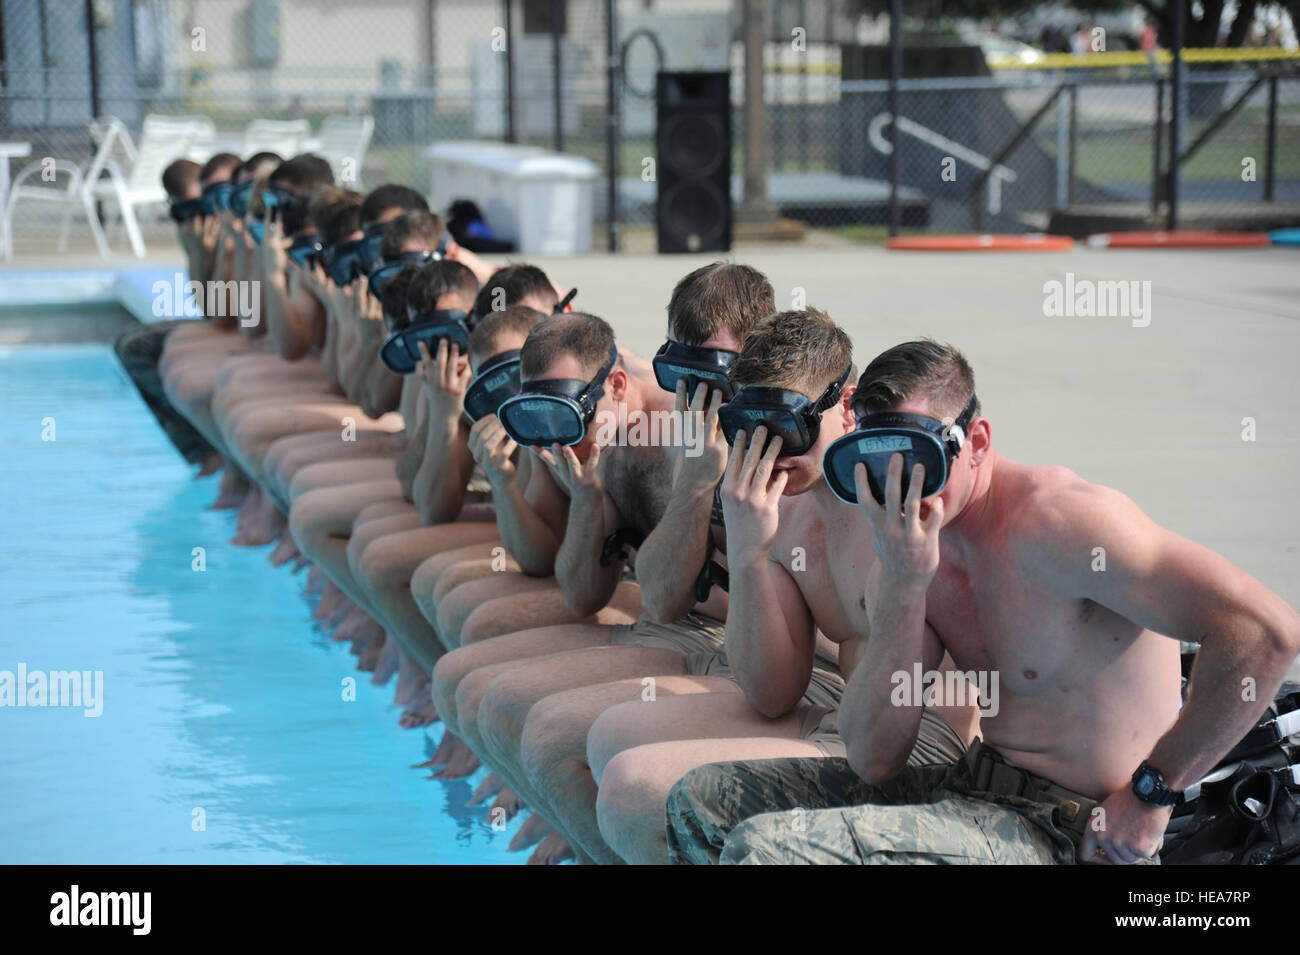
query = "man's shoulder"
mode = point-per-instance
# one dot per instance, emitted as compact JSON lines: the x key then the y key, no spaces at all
{"x":1048,"y":509}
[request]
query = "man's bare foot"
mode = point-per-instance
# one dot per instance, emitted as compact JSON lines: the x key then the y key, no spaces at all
{"x":412,"y":682}
{"x":486,"y":789}
{"x":370,"y":655}
{"x":299,"y":562}
{"x":316,"y":582}
{"x":446,"y":747}
{"x":461,"y":762}
{"x":386,"y":665}
{"x":354,"y":622}
{"x":331,"y":599}
{"x":419,"y":715}
{"x":455,"y":755}
{"x":259,"y":521}
{"x":508,"y":801}
{"x":552,"y":851}
{"x":285,"y":551}
{"x":267,"y":522}
{"x":533,"y":831}
{"x":234,"y":488}
{"x":364,"y":636}
{"x":210,"y":465}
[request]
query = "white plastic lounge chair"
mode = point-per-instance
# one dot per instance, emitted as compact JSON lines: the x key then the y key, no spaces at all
{"x":343,"y":140}
{"x":285,"y":137}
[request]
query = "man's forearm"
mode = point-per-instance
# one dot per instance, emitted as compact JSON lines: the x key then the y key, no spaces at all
{"x":1233,"y":681}
{"x":764,"y":659}
{"x":527,"y":537}
{"x":439,"y":490}
{"x":586,"y":585}
{"x":670,"y":558}
{"x":879,"y":735}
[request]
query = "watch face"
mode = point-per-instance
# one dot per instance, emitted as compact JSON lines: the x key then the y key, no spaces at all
{"x":1146,"y":785}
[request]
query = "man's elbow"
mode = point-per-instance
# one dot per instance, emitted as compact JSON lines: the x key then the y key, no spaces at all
{"x":290,"y":348}
{"x":580,"y":604}
{"x":662,"y":608}
{"x":870,"y":766}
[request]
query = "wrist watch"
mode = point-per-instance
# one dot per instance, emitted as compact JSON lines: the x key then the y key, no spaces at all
{"x":1149,"y":786}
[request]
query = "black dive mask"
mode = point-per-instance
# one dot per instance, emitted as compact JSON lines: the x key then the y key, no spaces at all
{"x":792,"y":415}
{"x":386,"y":269}
{"x":920,"y":439}
{"x":401,"y":349}
{"x":497,"y":380}
{"x":675,"y":361}
{"x":554,"y":410}
{"x":216,"y":197}
{"x":183,"y":210}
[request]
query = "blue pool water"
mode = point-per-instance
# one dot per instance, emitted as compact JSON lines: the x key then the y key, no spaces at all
{"x":219,"y":695}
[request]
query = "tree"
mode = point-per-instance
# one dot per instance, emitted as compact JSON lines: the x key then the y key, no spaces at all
{"x":1198,"y":31}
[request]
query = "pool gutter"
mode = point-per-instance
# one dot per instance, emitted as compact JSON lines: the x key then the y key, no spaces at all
{"x":147,"y":292}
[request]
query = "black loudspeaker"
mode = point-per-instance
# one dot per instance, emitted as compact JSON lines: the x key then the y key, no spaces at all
{"x":693,"y":143}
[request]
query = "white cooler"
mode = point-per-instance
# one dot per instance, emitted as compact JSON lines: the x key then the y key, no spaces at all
{"x":541,"y":200}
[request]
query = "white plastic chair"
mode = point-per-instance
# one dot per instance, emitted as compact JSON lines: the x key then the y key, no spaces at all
{"x":274,"y":135}
{"x":162,"y":139}
{"x":343,"y":140}
{"x":110,"y":135}
{"x":105,"y":180}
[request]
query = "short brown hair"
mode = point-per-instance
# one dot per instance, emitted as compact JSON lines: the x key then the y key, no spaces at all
{"x":919,"y":369}
{"x":515,"y":282}
{"x":718,"y":296}
{"x":489,"y":329}
{"x":794,"y":350}
{"x":180,"y":177}
{"x":436,"y":279}
{"x":393,"y":298}
{"x":584,"y":336}
{"x":227,"y":163}
{"x":426,"y":226}
{"x":335,"y":212}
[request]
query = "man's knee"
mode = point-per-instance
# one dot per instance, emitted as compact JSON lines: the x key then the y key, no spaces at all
{"x":554,"y":733}
{"x":608,"y":733}
{"x":502,"y":712}
{"x":469,"y":694}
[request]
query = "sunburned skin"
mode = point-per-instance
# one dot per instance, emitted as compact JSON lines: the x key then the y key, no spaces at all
{"x":1085,"y":692}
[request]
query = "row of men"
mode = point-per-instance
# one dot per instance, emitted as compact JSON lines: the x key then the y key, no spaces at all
{"x":662,"y":651}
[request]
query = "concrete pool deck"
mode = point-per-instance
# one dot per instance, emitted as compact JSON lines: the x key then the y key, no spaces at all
{"x":1163,"y":412}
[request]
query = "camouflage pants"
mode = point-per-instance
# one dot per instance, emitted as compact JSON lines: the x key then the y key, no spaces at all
{"x":139,"y":350}
{"x":818,"y":811}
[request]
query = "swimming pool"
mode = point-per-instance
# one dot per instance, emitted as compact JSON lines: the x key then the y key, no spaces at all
{"x":224,"y":735}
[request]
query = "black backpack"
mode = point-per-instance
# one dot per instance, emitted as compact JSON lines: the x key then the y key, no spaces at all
{"x":1247,"y":811}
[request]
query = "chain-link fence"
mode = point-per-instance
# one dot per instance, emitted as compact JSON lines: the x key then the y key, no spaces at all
{"x":979,"y":148}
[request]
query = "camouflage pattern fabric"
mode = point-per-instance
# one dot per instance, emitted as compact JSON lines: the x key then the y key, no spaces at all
{"x":808,"y":810}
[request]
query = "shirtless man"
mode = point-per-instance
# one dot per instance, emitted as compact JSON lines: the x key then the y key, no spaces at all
{"x":796,"y":556}
{"x":999,"y":568}
{"x":383,"y":554}
{"x":323,"y":519}
{"x":580,"y":496}
{"x":710,"y":313}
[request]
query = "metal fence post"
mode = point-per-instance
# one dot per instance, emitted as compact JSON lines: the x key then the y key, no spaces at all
{"x":1062,"y":153}
{"x":511,"y":135}
{"x":557,"y":15}
{"x":1157,"y":162}
{"x":612,"y":123}
{"x":1177,"y":91}
{"x":895,"y":72}
{"x":1270,"y":145}
{"x":1074,"y":143}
